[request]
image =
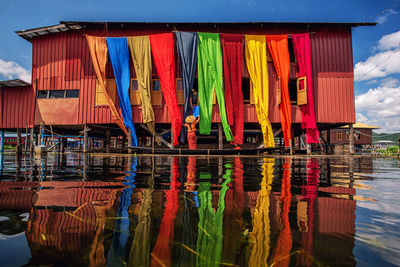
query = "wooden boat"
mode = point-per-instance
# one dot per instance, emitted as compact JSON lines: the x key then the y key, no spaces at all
{"x":206,"y":151}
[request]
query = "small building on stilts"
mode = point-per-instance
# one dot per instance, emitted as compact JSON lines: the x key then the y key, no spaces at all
{"x":257,"y":85}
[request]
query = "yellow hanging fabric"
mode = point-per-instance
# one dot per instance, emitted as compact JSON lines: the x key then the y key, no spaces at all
{"x":261,"y":234}
{"x":98,"y":52}
{"x":257,"y":65}
{"x":141,"y":57}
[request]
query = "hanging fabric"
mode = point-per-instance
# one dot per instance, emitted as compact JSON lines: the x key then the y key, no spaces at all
{"x":187,"y":50}
{"x":98,"y":53}
{"x":162,"y":47}
{"x":139,"y":47}
{"x":302,"y":49}
{"x":119,"y":56}
{"x":210,"y":78}
{"x":232,"y":45}
{"x":278,"y":47}
{"x":256,"y":61}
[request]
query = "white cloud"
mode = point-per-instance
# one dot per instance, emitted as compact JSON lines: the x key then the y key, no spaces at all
{"x":386,"y":13}
{"x":378,"y":66}
{"x":380,"y":107}
{"x":12,"y":70}
{"x":389,"y":41}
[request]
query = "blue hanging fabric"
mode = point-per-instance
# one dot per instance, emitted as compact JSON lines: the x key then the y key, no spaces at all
{"x":187,"y":51}
{"x":119,"y":55}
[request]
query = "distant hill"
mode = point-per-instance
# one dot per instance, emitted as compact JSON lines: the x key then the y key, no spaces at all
{"x":385,"y":136}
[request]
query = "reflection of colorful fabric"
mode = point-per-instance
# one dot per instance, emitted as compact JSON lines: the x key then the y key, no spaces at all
{"x":140,"y":249}
{"x":116,"y":254}
{"x":281,"y":256}
{"x":309,"y":192}
{"x":191,"y":136}
{"x":210,"y":236}
{"x":260,"y":236}
{"x":162,"y":249}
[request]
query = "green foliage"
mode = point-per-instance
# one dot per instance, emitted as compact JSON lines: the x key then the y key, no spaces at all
{"x":390,"y":151}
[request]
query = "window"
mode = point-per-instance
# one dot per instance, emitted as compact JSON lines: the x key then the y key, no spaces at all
{"x":180,"y":96}
{"x":293,"y":91}
{"x":71,"y":93}
{"x":156,"y":85}
{"x":246,"y":90}
{"x":134,"y":93}
{"x":57,"y":94}
{"x":339,"y":136}
{"x":42,"y":94}
{"x":291,"y":50}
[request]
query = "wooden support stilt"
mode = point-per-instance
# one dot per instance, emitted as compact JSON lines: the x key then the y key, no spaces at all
{"x":328,"y":139}
{"x":220,"y":138}
{"x":155,"y":135}
{"x":129,"y":141}
{"x":351,"y":140}
{"x":108,"y":140}
{"x":26,"y":138}
{"x":85,"y":138}
{"x":79,"y":143}
{"x":19,"y":145}
{"x":1,"y":141}
{"x":31,"y":138}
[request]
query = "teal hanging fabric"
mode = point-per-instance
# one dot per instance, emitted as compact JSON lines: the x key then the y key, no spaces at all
{"x":119,"y":56}
{"x":210,"y":78}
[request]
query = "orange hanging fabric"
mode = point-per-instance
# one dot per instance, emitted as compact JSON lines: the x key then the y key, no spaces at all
{"x":278,"y":47}
{"x":98,"y":52}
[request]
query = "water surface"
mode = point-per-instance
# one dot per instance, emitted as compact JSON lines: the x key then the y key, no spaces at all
{"x":98,"y":210}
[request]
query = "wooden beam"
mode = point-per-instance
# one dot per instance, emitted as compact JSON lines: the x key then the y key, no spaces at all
{"x":85,"y":138}
{"x":162,"y":140}
{"x":220,"y":138}
{"x":351,"y":140}
{"x":108,"y":140}
{"x":19,"y":147}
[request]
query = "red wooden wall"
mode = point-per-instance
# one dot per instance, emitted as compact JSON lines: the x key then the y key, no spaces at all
{"x":17,"y":106}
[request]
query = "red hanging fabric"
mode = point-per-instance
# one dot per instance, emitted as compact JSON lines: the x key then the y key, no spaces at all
{"x":162,"y":47}
{"x":232,"y":47}
{"x":302,"y":49}
{"x":278,"y":47}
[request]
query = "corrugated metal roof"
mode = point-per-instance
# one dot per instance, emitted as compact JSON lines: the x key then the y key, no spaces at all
{"x":359,"y":125}
{"x":77,"y":25}
{"x":14,"y":83}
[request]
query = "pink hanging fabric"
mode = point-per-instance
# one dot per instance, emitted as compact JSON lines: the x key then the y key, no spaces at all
{"x":232,"y":46}
{"x":162,"y":47}
{"x":302,"y":48}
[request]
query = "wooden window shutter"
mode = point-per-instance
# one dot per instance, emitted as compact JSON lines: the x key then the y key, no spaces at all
{"x":302,"y":93}
{"x":134,"y":93}
{"x":180,"y":97}
{"x":156,"y":96}
{"x":100,"y":97}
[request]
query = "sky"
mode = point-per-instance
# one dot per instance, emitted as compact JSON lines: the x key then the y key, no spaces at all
{"x":376,"y":49}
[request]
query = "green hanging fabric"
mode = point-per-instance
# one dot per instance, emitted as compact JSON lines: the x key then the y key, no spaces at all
{"x":209,"y":59}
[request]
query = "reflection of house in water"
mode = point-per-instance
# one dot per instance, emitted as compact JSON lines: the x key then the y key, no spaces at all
{"x":66,"y":219}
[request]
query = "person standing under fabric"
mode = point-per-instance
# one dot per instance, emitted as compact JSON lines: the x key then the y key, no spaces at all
{"x":190,"y":123}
